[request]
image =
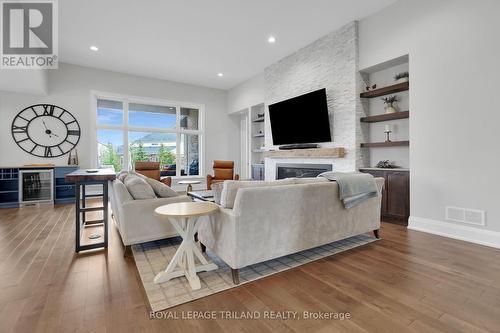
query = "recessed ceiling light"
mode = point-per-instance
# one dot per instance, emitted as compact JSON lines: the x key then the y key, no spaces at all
{"x":271,"y":39}
{"x":94,"y":48}
{"x":220,"y":74}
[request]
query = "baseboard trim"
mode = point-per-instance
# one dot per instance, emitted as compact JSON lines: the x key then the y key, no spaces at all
{"x":455,"y":231}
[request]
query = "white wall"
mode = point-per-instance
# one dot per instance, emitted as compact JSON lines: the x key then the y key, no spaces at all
{"x":246,"y":94}
{"x":70,"y":87}
{"x":32,"y":81}
{"x":454,"y":54}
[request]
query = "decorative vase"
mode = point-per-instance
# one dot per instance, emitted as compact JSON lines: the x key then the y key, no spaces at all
{"x":403,"y":79}
{"x":390,"y":108}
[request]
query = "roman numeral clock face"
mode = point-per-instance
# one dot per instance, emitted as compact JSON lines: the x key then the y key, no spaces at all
{"x":45,"y":130}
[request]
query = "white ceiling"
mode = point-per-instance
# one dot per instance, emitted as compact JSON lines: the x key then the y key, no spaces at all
{"x":192,"y":40}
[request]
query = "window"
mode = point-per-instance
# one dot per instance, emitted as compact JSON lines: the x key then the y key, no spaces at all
{"x":131,"y":129}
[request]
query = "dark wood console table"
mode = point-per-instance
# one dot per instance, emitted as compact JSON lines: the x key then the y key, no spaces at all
{"x":81,"y":178}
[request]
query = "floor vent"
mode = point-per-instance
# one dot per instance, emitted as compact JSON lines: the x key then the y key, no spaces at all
{"x":465,"y":215}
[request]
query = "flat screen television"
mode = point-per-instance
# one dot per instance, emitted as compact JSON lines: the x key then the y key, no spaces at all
{"x":302,"y":119}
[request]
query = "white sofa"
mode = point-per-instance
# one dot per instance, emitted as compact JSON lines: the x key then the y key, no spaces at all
{"x":136,"y":220}
{"x":281,"y":218}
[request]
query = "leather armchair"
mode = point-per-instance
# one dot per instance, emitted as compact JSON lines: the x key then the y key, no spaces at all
{"x":223,"y":170}
{"x":152,"y":170}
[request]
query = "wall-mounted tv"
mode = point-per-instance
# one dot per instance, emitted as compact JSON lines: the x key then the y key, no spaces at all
{"x":302,"y":119}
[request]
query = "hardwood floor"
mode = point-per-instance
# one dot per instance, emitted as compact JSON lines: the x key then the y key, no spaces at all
{"x":408,"y":281}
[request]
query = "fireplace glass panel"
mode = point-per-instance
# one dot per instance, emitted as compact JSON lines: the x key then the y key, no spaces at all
{"x":300,"y":170}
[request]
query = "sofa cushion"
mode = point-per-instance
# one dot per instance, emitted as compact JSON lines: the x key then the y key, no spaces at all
{"x":231,"y":187}
{"x":139,"y":188}
{"x":217,"y":189}
{"x":160,"y":189}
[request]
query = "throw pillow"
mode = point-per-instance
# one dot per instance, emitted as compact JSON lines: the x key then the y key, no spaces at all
{"x":140,"y":175}
{"x":217,"y":189}
{"x":161,"y":190}
{"x":122,"y":175}
{"x":139,"y":188}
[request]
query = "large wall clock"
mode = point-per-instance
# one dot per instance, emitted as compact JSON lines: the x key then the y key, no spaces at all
{"x":45,"y":130}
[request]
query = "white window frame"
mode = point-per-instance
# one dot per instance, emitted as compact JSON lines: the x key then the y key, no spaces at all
{"x":126,"y":100}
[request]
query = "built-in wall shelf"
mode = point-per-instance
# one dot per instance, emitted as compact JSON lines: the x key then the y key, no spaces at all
{"x":386,"y":90}
{"x":261,"y":135}
{"x":258,"y":120}
{"x":385,"y":144}
{"x":386,"y":117}
{"x":315,"y":152}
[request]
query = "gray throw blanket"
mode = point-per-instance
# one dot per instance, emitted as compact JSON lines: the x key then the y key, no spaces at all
{"x":354,"y":188}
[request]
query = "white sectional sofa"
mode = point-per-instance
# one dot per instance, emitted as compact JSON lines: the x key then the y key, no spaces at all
{"x":267,"y":220}
{"x":136,"y":220}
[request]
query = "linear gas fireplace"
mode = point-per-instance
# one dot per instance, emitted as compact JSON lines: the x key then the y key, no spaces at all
{"x":300,"y":170}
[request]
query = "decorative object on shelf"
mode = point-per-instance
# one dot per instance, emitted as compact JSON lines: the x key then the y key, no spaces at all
{"x":260,"y":115}
{"x":385,"y":164}
{"x":372,"y":87}
{"x":389,"y":102}
{"x":387,"y":132}
{"x":402,"y":77}
{"x":73,"y":157}
{"x":45,"y":130}
{"x":397,"y":87}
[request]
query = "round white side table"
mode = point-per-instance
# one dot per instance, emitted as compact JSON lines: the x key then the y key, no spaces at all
{"x":184,"y":216}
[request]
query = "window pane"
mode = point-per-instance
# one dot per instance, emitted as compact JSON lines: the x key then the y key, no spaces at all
{"x":110,"y":148}
{"x":109,"y":112}
{"x":154,"y":147}
{"x":189,"y":119}
{"x":151,"y":116}
{"x":189,"y":154}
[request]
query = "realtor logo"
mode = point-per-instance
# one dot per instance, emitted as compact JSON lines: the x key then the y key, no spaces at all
{"x":29,"y":34}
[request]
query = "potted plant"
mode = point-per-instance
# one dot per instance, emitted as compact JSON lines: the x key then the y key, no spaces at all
{"x":402,"y":77}
{"x":389,"y":103}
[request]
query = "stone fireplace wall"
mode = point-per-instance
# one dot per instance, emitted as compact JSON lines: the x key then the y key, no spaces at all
{"x":331,"y":62}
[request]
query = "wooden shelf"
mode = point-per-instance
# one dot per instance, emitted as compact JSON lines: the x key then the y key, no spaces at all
{"x":386,"y":117}
{"x":385,"y":144}
{"x":258,"y":120}
{"x":315,"y":152}
{"x":386,"y":90}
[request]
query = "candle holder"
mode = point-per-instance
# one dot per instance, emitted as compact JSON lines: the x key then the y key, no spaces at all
{"x":388,"y":136}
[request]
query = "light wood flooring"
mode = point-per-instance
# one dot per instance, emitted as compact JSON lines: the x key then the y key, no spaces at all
{"x":408,"y":281}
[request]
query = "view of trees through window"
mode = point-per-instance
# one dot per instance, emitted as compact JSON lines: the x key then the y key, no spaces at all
{"x":166,"y":134}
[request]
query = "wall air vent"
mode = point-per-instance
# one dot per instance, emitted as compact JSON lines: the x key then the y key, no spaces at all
{"x":466,"y":215}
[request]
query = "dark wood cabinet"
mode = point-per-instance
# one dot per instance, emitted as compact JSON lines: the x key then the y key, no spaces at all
{"x":395,"y":195}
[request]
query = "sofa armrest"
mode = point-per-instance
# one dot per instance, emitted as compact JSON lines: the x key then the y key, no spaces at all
{"x":121,"y":194}
{"x":218,"y":233}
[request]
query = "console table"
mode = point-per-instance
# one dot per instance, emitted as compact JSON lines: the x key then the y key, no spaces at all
{"x":81,"y":178}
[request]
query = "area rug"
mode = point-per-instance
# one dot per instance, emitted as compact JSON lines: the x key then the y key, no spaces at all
{"x":153,"y":257}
